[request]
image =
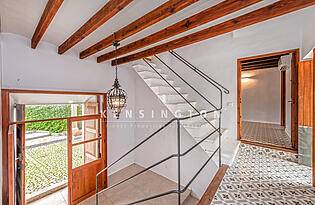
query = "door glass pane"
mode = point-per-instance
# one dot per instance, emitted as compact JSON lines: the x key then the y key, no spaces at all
{"x":86,"y":153}
{"x":48,"y":106}
{"x":85,"y":130}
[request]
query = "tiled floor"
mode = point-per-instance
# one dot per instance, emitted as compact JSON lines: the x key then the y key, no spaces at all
{"x":261,"y":176}
{"x":265,"y":133}
{"x":57,"y":198}
{"x":140,"y":187}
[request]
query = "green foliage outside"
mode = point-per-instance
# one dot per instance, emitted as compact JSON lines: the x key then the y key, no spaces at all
{"x":47,"y":112}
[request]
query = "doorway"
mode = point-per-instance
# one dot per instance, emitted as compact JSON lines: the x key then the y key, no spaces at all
{"x":267,"y":97}
{"x":57,"y":138}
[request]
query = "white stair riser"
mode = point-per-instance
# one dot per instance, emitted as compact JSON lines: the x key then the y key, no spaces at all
{"x":173,"y":98}
{"x":211,"y":147}
{"x":197,"y":127}
{"x":182,"y":106}
{"x":200,"y":119}
{"x":163,"y":90}
{"x":140,"y":68}
{"x":148,"y":74}
{"x":157,"y":82}
{"x":199,"y":131}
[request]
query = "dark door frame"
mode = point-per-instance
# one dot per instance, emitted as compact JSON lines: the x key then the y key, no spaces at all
{"x":7,"y":142}
{"x":294,"y":95}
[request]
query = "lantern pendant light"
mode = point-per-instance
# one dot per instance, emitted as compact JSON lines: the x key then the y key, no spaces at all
{"x":116,"y":97}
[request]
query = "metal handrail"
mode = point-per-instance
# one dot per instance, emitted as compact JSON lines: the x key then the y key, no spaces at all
{"x":141,"y":143}
{"x":180,"y":93}
{"x":159,"y":162}
{"x":194,"y":89}
{"x":179,"y":191}
{"x":202,"y":74}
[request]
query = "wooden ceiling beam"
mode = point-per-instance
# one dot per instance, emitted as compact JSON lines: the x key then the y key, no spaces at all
{"x":260,"y":60}
{"x":224,"y":8}
{"x":260,"y":67}
{"x":259,"y":64}
{"x":268,"y":12}
{"x":49,"y":13}
{"x":110,"y":9}
{"x":165,"y":10}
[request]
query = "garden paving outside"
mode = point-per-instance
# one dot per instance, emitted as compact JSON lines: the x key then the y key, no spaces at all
{"x":48,"y":165}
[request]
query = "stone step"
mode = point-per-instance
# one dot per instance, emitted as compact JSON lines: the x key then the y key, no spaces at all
{"x":212,"y":143}
{"x":173,"y":98}
{"x":140,"y":68}
{"x":158,"y":82}
{"x":165,"y":89}
{"x":149,"y":74}
{"x":175,"y":107}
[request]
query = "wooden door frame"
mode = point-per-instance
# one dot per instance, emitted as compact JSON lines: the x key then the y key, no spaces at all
{"x":294,"y":90}
{"x":7,"y":158}
{"x":313,"y":142}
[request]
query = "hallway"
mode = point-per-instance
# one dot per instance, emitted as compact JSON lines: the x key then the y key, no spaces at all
{"x":265,"y":133}
{"x":264,"y":176}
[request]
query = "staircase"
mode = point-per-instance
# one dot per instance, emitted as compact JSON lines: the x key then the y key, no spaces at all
{"x":202,"y":124}
{"x":181,"y":104}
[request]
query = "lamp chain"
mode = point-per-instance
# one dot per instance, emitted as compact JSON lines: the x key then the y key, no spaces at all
{"x":116,"y":44}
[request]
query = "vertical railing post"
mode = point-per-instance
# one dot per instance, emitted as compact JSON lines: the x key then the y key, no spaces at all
{"x":220,"y":133}
{"x":178,"y":161}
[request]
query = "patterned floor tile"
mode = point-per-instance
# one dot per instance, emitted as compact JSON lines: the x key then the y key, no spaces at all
{"x":262,"y":176}
{"x":265,"y":133}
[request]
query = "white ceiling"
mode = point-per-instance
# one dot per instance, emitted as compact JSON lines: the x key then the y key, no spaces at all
{"x":21,"y":17}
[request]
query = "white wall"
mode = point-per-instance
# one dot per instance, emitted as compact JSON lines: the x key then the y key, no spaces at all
{"x":261,"y":96}
{"x":217,"y":57}
{"x":308,"y":39}
{"x":44,"y":69}
{"x":165,"y":143}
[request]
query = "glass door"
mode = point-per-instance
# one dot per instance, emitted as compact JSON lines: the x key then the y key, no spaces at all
{"x":86,"y":156}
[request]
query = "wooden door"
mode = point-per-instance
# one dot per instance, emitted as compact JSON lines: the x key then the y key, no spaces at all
{"x":86,"y":155}
{"x":90,"y":131}
{"x":305,"y":93}
{"x":295,"y":99}
{"x":19,"y":132}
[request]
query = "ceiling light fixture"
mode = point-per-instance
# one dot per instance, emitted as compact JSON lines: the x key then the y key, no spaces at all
{"x":116,"y":97}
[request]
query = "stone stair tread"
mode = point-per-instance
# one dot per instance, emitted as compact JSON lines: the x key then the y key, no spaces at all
{"x":180,"y":103}
{"x":213,"y":137}
{"x":196,"y":126}
{"x":200,"y":122}
{"x":157,"y":78}
{"x":165,"y":86}
{"x":173,"y":94}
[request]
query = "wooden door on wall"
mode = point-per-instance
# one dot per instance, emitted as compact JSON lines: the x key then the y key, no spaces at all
{"x":306,"y":93}
{"x":90,"y":131}
{"x":86,"y":154}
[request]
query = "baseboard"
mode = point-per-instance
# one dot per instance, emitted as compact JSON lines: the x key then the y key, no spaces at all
{"x":208,"y":196}
{"x":265,"y":122}
{"x":269,"y":146}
